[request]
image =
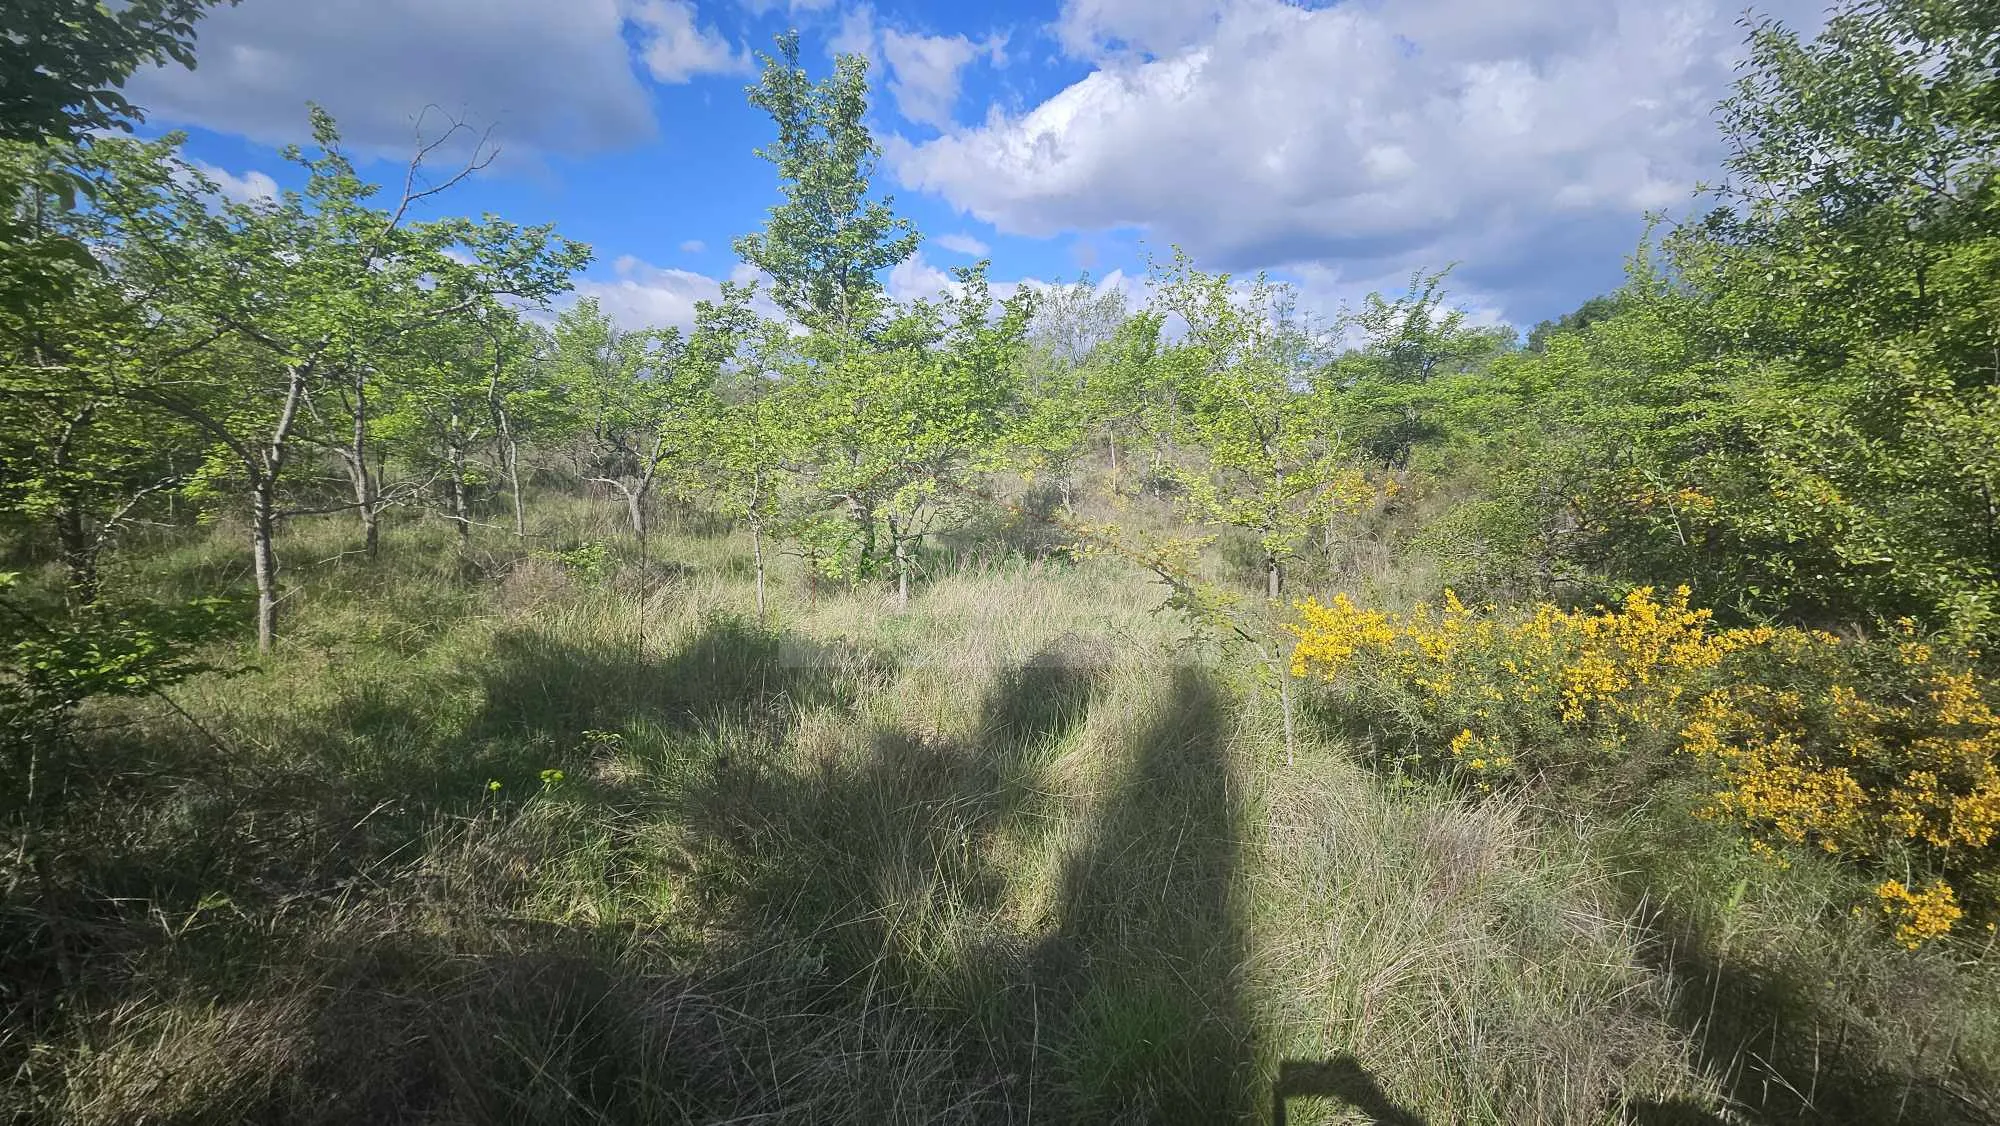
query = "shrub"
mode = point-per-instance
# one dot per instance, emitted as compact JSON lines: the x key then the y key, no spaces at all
{"x":1478,"y":693}
{"x":1884,"y":752}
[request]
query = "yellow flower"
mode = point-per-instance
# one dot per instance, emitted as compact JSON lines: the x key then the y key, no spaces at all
{"x":1920,"y":916}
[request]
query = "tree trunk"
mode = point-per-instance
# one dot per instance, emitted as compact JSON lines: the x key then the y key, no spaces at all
{"x":757,"y":555}
{"x":79,"y":556}
{"x":864,"y":524}
{"x":357,"y":468}
{"x":902,"y":565}
{"x":265,"y":465}
{"x":513,"y":456}
{"x":1112,"y":441}
{"x":461,"y":509}
{"x":460,"y":513}
{"x":1275,"y":576}
{"x":264,"y":559}
{"x":635,"y":507}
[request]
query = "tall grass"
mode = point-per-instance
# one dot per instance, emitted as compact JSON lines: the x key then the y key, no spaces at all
{"x":496,"y":839}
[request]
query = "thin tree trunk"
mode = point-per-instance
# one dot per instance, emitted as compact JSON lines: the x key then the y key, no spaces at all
{"x":757,"y":554}
{"x":1112,"y":441}
{"x":1274,"y":575}
{"x":79,"y":556}
{"x":461,"y":511}
{"x":366,"y":495}
{"x":513,"y":455}
{"x":265,"y":466}
{"x":902,"y":565}
{"x":635,"y":507}
{"x":264,"y":559}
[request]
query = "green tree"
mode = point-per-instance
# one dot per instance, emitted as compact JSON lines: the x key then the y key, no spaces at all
{"x":70,"y":58}
{"x":1249,"y":410}
{"x":1398,"y":389}
{"x":888,"y":439}
{"x":826,"y":245}
{"x":648,"y":399}
{"x":1833,"y":459}
{"x":1082,"y":374}
{"x":75,"y":457}
{"x":305,"y":292}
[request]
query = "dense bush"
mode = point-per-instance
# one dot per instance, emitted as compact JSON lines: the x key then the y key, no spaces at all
{"x":1885,"y":752}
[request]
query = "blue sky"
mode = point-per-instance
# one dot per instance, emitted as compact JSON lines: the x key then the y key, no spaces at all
{"x":1337,"y":145}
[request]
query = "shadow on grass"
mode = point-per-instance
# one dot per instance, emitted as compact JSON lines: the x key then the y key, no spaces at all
{"x":867,"y":961}
{"x":1760,"y":1033}
{"x":1149,"y":944}
{"x":887,"y":873}
{"x":168,"y":861}
{"x":1342,"y":1079}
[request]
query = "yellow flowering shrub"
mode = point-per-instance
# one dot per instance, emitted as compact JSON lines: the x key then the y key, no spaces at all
{"x":1920,"y":916}
{"x":1885,"y":752}
{"x":1478,"y":687}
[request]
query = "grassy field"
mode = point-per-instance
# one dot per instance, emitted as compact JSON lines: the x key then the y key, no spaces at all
{"x":500,"y":838}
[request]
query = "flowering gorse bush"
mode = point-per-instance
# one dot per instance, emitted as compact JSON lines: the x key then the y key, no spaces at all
{"x":1885,"y":752}
{"x":1478,"y":691}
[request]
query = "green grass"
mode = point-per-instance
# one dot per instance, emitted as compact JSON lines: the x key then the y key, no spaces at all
{"x":1015,"y":855}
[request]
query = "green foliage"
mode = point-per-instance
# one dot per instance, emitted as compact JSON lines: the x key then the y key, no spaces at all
{"x":1247,"y":401}
{"x":889,"y":438}
{"x":590,"y":563}
{"x":1793,"y":405}
{"x":825,"y":246}
{"x":54,"y":664}
{"x":70,"y":57}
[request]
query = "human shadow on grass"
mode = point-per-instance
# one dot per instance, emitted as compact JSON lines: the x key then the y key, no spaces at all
{"x":1759,"y":1033}
{"x":1342,"y":1080}
{"x":1149,"y":945}
{"x":888,"y":872}
{"x":173,"y":846}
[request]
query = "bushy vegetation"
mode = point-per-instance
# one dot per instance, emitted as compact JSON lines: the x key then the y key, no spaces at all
{"x":425,"y":704}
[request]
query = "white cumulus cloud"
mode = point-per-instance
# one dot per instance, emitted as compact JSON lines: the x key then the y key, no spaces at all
{"x":640,"y":295}
{"x":676,"y":48}
{"x":926,"y":72}
{"x":1368,"y":137}
{"x":961,"y":244}
{"x":547,"y":77}
{"x":251,"y":185}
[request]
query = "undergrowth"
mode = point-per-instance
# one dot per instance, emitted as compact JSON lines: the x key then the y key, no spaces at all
{"x":549,"y":832}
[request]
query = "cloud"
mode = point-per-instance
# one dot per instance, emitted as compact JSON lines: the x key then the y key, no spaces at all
{"x":856,"y":36}
{"x":961,"y":244}
{"x":550,"y":78}
{"x":641,"y":295}
{"x":1369,"y":137}
{"x":925,"y":72}
{"x":693,"y":246}
{"x":1099,"y":29}
{"x":766,"y":7}
{"x":251,"y":185}
{"x":675,"y":48}
{"x":914,"y":278}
